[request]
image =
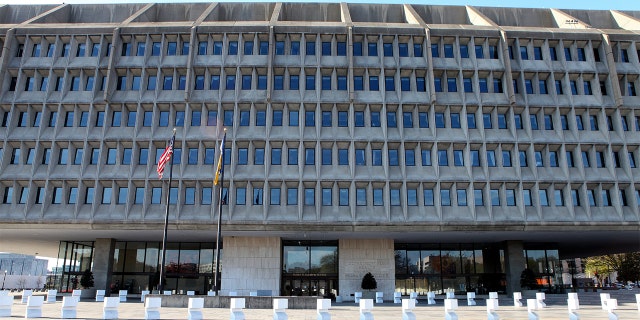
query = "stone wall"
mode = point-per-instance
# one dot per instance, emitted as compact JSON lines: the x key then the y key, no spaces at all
{"x":359,"y":256}
{"x":250,"y":264}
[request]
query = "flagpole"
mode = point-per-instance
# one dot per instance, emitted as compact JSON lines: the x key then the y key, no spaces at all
{"x":219,"y":233}
{"x":166,"y":219}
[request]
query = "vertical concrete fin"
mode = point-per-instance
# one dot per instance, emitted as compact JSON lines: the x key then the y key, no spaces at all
{"x":44,"y":14}
{"x":205,"y":13}
{"x":138,"y":14}
{"x":613,"y":73}
{"x":345,"y":15}
{"x":625,"y":21}
{"x":115,"y":43}
{"x":193,"y":39}
{"x":507,"y":68}
{"x":275,"y":15}
{"x":564,"y":20}
{"x":478,"y":19}
{"x":412,"y":15}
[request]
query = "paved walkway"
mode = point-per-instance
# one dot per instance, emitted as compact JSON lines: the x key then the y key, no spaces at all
{"x":556,"y":309}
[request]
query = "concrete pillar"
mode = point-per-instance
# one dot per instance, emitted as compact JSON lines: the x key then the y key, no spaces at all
{"x":514,"y":264}
{"x":103,"y":263}
{"x":359,"y":256}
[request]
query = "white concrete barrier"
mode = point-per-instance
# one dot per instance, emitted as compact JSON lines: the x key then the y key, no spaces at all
{"x":450,"y":306}
{"x":143,"y":295}
{"x":253,"y":294}
{"x":69,"y":307}
{"x":357,"y":296}
{"x":532,"y":306}
{"x":517,"y":299}
{"x":77,"y":293}
{"x":492,"y":307}
{"x":110,"y":308}
{"x":237,"y":305}
{"x":397,"y":297}
{"x":379,"y":296}
{"x":191,"y":293}
{"x":233,"y":294}
{"x":194,"y":310}
{"x":603,"y":300}
{"x":100,"y":295}
{"x":431,"y":297}
{"x":612,"y":305}
{"x":34,"y":307}
{"x":280,"y":307}
{"x":540,"y":296}
{"x":573,"y":305}
{"x":51,"y":296}
{"x":25,"y":295}
{"x":366,"y":306}
{"x":166,"y":292}
{"x":322,"y":308}
{"x":493,"y":295}
{"x":407,"y":309}
{"x":152,"y":307}
{"x":471,"y":298}
{"x":211,"y":293}
{"x":122,"y":294}
{"x":6,"y":303}
{"x":638,"y":300}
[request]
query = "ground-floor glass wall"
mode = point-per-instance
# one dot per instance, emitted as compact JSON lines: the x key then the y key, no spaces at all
{"x":449,"y":267}
{"x":189,"y":266}
{"x":309,"y":268}
{"x":547,"y":269}
{"x":73,"y":259}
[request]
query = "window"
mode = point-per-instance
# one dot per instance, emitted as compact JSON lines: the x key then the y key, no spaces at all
{"x":553,"y":158}
{"x":292,"y":196}
{"x":257,"y":196}
{"x":326,"y":156}
{"x":452,"y":85}
{"x":455,"y":120}
{"x":542,"y":87}
{"x":326,"y":197}
{"x":440,"y":120}
{"x":375,"y":119}
{"x":606,"y":198}
{"x":292,"y":156}
{"x":88,"y":197}
{"x":448,"y":50}
{"x":445,"y":197}
{"x":475,"y":158}
{"x":309,"y":197}
{"x":442,"y":158}
{"x":574,"y":87}
{"x":524,"y":54}
{"x":242,"y":156}
{"x":310,"y":48}
{"x":294,"y":82}
{"x":462,"y":197}
{"x":274,"y":196}
{"x":241,"y":196}
{"x":458,"y":158}
{"x":393,"y":157}
{"x":309,"y":119}
{"x":310,"y":82}
{"x":593,"y":122}
{"x":538,"y":158}
{"x":478,"y":197}
{"x":495,"y":197}
{"x":343,"y":118}
{"x":522,"y":156}
{"x":587,"y":88}
{"x":542,"y":197}
{"x":491,"y":158}
{"x":484,"y":87}
{"x":486,"y":120}
{"x":361,"y":197}
{"x":360,"y":158}
{"x":428,"y":197}
{"x":471,"y":120}
{"x":343,"y":157}
{"x":377,"y":197}
{"x":468,"y":87}
{"x":528,"y":86}
{"x":326,"y":48}
{"x":464,"y":51}
{"x":425,"y":156}
{"x":376,"y":157}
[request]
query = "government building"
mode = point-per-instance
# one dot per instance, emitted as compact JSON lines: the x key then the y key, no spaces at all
{"x":441,"y":148}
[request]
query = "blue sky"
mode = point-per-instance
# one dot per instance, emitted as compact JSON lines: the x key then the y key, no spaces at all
{"x":569,"y":4}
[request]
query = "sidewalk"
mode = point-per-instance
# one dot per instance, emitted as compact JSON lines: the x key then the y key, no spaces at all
{"x":556,"y":309}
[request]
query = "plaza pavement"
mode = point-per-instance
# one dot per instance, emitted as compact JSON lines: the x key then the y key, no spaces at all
{"x":556,"y":309}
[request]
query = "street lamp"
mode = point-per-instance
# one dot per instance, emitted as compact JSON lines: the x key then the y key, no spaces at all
{"x":4,"y":278}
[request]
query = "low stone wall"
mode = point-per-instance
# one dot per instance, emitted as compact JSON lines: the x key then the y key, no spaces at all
{"x":251,"y":302}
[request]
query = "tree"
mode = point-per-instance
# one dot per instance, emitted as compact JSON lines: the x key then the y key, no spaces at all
{"x":528,"y":279}
{"x":369,"y":282}
{"x":626,"y":264}
{"x":86,"y":281}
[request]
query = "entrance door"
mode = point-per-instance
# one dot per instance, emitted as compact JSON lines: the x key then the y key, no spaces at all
{"x":309,"y":286}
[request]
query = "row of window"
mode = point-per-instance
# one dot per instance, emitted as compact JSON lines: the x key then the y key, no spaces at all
{"x":478,"y":195}
{"x":368,"y":81}
{"x":341,"y":154}
{"x":326,"y":45}
{"x":310,"y":118}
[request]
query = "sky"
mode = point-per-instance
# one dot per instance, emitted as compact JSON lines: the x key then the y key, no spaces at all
{"x":567,"y":4}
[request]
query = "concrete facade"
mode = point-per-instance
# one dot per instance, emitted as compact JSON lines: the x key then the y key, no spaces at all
{"x":367,"y":124}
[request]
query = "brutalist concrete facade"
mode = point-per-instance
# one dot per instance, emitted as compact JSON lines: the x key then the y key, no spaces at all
{"x":403,"y":123}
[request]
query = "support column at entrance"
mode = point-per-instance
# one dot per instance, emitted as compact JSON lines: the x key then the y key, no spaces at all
{"x":250,"y":264}
{"x":515,"y":262}
{"x":103,"y":263}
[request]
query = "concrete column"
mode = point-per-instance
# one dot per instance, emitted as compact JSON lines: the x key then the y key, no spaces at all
{"x":103,"y":263}
{"x":514,"y":264}
{"x":251,"y":264}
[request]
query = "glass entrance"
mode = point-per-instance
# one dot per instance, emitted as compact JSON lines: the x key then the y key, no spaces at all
{"x":310,"y":268}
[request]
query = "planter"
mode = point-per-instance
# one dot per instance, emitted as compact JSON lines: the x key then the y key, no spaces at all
{"x":527,"y":293}
{"x":88,"y":293}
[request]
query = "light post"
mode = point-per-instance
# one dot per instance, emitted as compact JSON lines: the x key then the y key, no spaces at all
{"x":4,"y":278}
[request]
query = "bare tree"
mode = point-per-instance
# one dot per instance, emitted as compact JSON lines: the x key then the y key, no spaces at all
{"x":39,"y":282}
{"x":22,"y":282}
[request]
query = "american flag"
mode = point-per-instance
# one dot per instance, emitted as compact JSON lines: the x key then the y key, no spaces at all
{"x":165,"y":157}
